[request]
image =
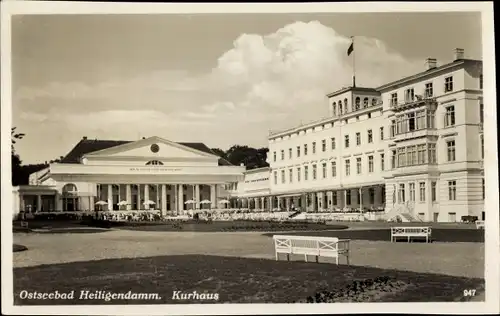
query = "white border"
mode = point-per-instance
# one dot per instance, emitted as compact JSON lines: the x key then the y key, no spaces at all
{"x":492,"y":244}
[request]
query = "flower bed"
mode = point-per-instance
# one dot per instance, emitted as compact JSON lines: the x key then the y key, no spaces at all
{"x":369,"y":290}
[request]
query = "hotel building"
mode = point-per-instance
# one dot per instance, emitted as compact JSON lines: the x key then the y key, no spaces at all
{"x":413,"y":148}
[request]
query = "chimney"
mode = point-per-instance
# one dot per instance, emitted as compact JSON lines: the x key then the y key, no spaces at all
{"x":84,"y":137}
{"x":430,"y":63}
{"x":459,"y":53}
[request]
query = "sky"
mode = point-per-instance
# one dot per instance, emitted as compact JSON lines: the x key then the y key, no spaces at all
{"x":220,"y":79}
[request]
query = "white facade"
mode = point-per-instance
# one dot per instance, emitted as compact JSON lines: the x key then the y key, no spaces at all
{"x":419,"y":153}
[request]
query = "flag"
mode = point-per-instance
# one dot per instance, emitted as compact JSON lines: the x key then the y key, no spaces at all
{"x":350,"y":49}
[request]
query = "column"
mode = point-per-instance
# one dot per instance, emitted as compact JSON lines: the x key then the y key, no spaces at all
{"x":360,"y":193}
{"x":92,"y":203}
{"x":175,"y":198}
{"x":345,"y":198}
{"x":270,"y":203}
{"x":110,"y":197}
{"x":262,"y":203}
{"x":197,"y":196}
{"x":38,"y":203}
{"x":146,"y":196}
{"x":163,"y":199}
{"x":181,"y":198}
{"x":128,"y":192}
{"x":213,"y":201}
{"x":139,"y":197}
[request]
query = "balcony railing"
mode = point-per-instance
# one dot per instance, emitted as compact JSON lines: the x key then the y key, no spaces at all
{"x":412,"y":102}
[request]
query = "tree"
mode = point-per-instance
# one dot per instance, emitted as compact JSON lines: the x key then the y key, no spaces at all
{"x":15,"y":159}
{"x":219,"y":152}
{"x":14,"y":137}
{"x":252,"y":158}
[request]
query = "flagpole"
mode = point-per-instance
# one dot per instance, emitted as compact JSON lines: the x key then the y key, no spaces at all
{"x":353,"y":63}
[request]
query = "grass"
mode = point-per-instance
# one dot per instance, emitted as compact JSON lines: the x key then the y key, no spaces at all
{"x":236,"y":280}
{"x":438,"y":234}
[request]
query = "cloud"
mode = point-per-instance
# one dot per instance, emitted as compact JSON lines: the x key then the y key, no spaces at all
{"x":263,"y":82}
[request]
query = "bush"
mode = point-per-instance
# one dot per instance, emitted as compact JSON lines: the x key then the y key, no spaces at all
{"x":17,"y":248}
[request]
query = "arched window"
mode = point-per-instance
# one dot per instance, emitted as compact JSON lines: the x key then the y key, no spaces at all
{"x":341,"y":110}
{"x":374,"y":102}
{"x":70,"y":197}
{"x":365,"y":103}
{"x":334,"y":108}
{"x":345,"y":105}
{"x":154,"y":163}
{"x":358,"y":103}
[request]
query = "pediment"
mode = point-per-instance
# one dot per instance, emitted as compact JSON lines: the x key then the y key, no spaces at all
{"x":151,"y":148}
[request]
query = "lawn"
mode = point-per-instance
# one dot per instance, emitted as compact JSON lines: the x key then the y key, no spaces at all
{"x":438,"y":234}
{"x":236,"y":280}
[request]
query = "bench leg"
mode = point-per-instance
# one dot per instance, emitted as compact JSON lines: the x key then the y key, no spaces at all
{"x":317,"y":259}
{"x":276,"y":256}
{"x":408,"y":238}
{"x":305,"y":257}
{"x":337,"y":259}
{"x":288,"y":257}
{"x":347,"y":257}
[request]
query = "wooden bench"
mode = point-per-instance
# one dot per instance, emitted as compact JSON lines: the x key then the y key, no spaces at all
{"x":409,"y":232}
{"x":480,"y":224}
{"x":311,"y":245}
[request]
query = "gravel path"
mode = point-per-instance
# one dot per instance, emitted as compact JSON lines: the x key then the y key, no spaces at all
{"x":458,"y":259}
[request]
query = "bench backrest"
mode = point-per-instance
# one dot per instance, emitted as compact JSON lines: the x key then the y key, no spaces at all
{"x":411,"y":231}
{"x":306,"y":242}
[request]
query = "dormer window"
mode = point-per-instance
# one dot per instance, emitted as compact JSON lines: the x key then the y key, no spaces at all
{"x":334,"y":108}
{"x":345,"y":106}
{"x":154,"y":163}
{"x":374,"y":102}
{"x":365,"y":103}
{"x":340,"y":107}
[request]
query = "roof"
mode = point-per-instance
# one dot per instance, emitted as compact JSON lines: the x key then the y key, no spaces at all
{"x":429,"y":72}
{"x":86,"y":146}
{"x":358,"y":89}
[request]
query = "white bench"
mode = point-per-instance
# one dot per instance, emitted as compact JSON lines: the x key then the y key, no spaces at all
{"x":479,"y":224}
{"x":311,"y":245}
{"x":409,"y":232}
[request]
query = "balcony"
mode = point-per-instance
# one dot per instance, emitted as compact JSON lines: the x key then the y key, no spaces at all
{"x":412,"y":103}
{"x":425,"y":132}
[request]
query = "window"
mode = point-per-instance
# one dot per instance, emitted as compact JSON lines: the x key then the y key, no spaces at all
{"x":401,"y":193}
{"x":334,"y":198}
{"x":365,"y":103}
{"x":430,"y":119}
{"x":282,"y":155}
{"x":482,"y":146}
{"x":348,"y":197}
{"x":314,"y":147}
{"x":452,"y":217}
{"x":448,"y":84}
{"x":324,"y":170}
{"x":358,"y":165}
{"x":334,"y":169}
{"x":421,"y":191}
{"x":358,"y":103}
{"x":480,"y":81}
{"x":347,"y":167}
{"x":382,"y":162}
{"x":333,"y":143}
{"x":306,"y":173}
{"x":369,"y":115}
{"x":412,"y":191}
{"x":305,"y":149}
{"x":340,"y":108}
{"x":411,"y":121}
{"x":411,"y":155}
{"x":370,"y":163}
{"x":358,"y":139}
{"x":357,"y":118}
{"x":382,"y":133}
{"x":393,"y":159}
{"x":393,"y":128}
{"x":401,"y":157}
{"x":370,"y":136}
{"x":275,"y":177}
{"x":481,"y":113}
{"x":274,"y":154}
{"x":433,"y":191}
{"x":345,"y":105}
{"x":283,"y":180}
{"x":450,"y":149}
{"x":154,"y":163}
{"x":421,"y":154}
{"x":371,"y":194}
{"x":346,"y":141}
{"x":432,"y":154}
{"x":290,"y":175}
{"x":315,"y":171}
{"x":298,"y":174}
{"x":323,"y":145}
{"x":334,"y":109}
{"x":449,"y":119}
{"x":452,"y":190}
{"x":394,"y":99}
{"x":298,"y":151}
{"x":410,"y":95}
{"x":374,"y":102}
{"x":484,"y":188}
{"x":420,"y":121}
{"x":429,"y":92}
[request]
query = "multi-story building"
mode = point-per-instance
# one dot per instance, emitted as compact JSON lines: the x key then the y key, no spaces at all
{"x":413,"y":146}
